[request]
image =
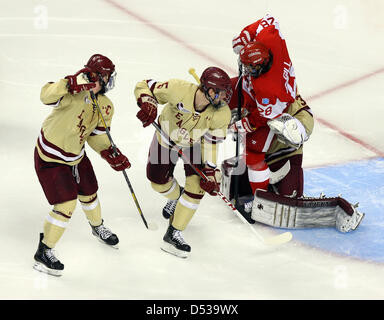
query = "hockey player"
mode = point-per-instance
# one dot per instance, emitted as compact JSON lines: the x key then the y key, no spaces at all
{"x":196,"y":118}
{"x":276,"y":122}
{"x":62,"y":166}
{"x":268,"y":88}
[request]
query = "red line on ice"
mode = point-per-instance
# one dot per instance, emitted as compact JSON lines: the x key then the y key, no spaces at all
{"x":167,"y":34}
{"x":202,"y":54}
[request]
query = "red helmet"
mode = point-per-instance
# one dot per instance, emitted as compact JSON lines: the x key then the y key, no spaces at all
{"x":98,"y":67}
{"x":100,"y":64}
{"x":256,"y":58}
{"x":218,"y":80}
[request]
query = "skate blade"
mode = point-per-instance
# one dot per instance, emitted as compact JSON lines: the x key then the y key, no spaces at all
{"x":42,"y":268}
{"x":115,"y":246}
{"x":167,"y":247}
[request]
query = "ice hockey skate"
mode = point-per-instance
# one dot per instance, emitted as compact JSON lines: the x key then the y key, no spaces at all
{"x":174,"y":243}
{"x":104,"y":235}
{"x":246,"y":211}
{"x":45,"y":260}
{"x":170,"y":206}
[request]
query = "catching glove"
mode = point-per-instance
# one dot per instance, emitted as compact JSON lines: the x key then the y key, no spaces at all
{"x":288,"y":130}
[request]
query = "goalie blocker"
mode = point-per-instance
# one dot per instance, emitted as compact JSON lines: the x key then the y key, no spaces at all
{"x":287,"y":212}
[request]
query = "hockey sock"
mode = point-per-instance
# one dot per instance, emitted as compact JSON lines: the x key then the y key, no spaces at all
{"x":185,"y":209}
{"x":56,"y":222}
{"x":91,"y":207}
{"x":258,"y":170}
{"x":258,"y":177}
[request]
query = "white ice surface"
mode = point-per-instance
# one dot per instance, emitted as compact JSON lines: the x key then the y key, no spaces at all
{"x":331,"y":44}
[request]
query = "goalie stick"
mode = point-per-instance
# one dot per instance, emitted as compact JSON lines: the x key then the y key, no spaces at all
{"x":274,"y":240}
{"x":150,"y":226}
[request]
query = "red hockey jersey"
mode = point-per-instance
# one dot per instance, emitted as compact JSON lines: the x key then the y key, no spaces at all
{"x":269,"y":95}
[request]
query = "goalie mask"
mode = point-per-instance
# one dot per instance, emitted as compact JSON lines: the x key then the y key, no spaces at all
{"x":218,"y":80}
{"x":256,"y":59}
{"x":100,"y":66}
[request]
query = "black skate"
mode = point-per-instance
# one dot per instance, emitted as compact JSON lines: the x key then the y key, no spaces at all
{"x":45,"y":260}
{"x":105,"y":235}
{"x":246,"y":211}
{"x":174,"y":243}
{"x":169,"y":208}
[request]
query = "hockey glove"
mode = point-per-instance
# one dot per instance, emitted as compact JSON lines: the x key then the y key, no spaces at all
{"x":242,"y":126}
{"x":118,"y":162}
{"x":212,"y":184}
{"x":148,"y":112}
{"x":240,"y":41}
{"x":78,"y":82}
{"x":288,"y":130}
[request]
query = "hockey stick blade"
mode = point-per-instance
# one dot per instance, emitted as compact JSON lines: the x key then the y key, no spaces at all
{"x":152,"y":226}
{"x":270,"y":241}
{"x":279,"y":239}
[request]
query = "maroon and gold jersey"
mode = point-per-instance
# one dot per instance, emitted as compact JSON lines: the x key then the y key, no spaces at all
{"x":72,"y":122}
{"x":179,"y":119}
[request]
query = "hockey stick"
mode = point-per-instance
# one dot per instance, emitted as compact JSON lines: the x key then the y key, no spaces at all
{"x":151,"y":226}
{"x":192,"y":72}
{"x":236,"y":185}
{"x":239,"y":102}
{"x":275,"y":240}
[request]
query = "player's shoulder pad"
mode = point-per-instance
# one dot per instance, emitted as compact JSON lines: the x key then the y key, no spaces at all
{"x":179,"y":82}
{"x":180,"y":87}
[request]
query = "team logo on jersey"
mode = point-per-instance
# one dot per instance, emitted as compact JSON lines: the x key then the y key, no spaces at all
{"x":81,"y":127}
{"x":265,"y":101}
{"x":86,"y":100}
{"x":180,"y":106}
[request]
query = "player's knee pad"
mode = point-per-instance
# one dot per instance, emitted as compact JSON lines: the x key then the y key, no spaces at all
{"x":255,"y":160}
{"x":191,"y":203}
{"x":185,"y":209}
{"x":192,"y":187}
{"x":170,"y":190}
{"x":88,"y":202}
{"x":91,"y":207}
{"x":65,"y":209}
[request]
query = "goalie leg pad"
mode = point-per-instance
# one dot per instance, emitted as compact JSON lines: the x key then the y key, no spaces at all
{"x":230,"y":173}
{"x":282,"y":212}
{"x":287,"y":176}
{"x":349,"y":218}
{"x":298,"y":213}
